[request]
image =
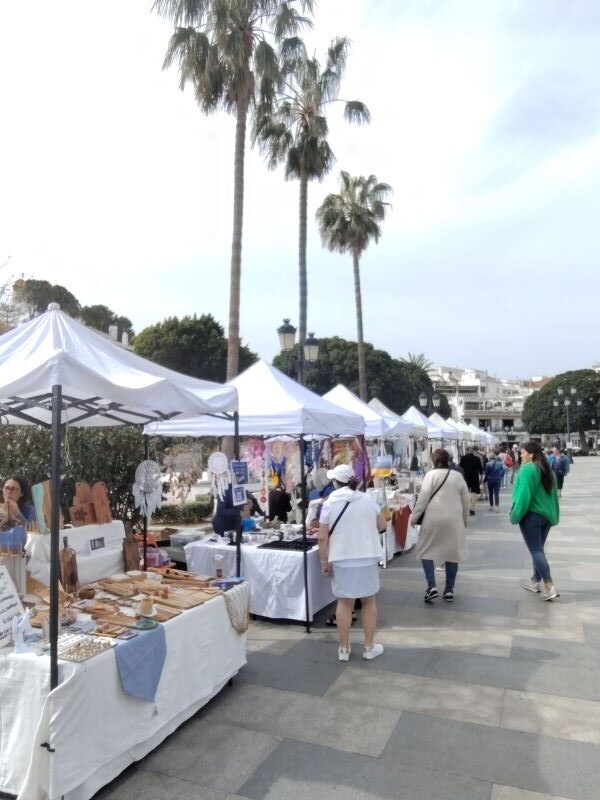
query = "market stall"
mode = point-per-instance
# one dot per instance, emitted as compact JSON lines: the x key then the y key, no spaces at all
{"x":273,"y":405}
{"x":275,"y":576}
{"x":55,"y":372}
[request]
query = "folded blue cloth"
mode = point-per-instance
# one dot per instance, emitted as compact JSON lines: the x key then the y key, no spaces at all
{"x":140,"y":663}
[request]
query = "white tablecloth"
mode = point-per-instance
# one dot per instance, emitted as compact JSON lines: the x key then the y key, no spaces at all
{"x":95,"y":729}
{"x":91,"y":565}
{"x":276,"y":577}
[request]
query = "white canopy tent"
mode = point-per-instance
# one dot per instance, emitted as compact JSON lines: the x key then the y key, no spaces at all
{"x":270,"y":404}
{"x":377,"y":425}
{"x":462,"y":435}
{"x":466,"y":431}
{"x":448,"y":432}
{"x":415,"y":417}
{"x":55,"y":371}
{"x":479,"y":435}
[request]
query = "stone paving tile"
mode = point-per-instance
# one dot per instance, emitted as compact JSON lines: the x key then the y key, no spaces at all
{"x":132,"y":785}
{"x":302,"y":771}
{"x":357,"y":728}
{"x":512,"y":793}
{"x":550,"y":715}
{"x":460,"y":701}
{"x":378,"y":688}
{"x":537,"y":763}
{"x":201,"y":751}
{"x":467,"y":641}
{"x":563,"y":653}
{"x":513,"y":673}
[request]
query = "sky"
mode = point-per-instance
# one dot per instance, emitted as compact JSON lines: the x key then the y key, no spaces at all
{"x":485,"y":122}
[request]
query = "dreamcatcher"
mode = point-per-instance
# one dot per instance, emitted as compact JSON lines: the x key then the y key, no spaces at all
{"x":219,"y":474}
{"x":147,"y":489}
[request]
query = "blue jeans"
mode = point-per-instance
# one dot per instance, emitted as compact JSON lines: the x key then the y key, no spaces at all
{"x":429,"y":570}
{"x":535,"y":529}
{"x":494,"y":492}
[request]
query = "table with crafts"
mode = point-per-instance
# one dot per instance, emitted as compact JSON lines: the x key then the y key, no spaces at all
{"x":73,"y":740}
{"x":276,"y":577}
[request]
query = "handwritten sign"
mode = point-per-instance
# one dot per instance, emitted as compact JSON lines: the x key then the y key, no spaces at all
{"x":10,"y":606}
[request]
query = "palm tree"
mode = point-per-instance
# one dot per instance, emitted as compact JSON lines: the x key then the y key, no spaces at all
{"x":419,"y":360}
{"x":294,"y":130}
{"x":348,"y":221}
{"x":222,"y":50}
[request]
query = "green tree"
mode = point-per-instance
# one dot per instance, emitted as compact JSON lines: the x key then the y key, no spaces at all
{"x":36,"y":295}
{"x":102,"y":317}
{"x":540,"y":415}
{"x":348,"y":222}
{"x":394,"y":382}
{"x":419,"y":360}
{"x":294,"y":130}
{"x":195,"y":346}
{"x":222,"y":50}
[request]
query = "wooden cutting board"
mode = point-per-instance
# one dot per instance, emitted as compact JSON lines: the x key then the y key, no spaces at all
{"x":101,"y":503}
{"x":189,"y":599}
{"x":83,"y":494}
{"x":120,"y":588}
{"x":84,"y":514}
{"x":131,"y":551}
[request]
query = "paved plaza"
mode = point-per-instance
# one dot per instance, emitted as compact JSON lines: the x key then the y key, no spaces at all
{"x":496,"y":697}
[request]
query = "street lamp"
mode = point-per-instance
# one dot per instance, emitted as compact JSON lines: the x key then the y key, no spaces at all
{"x":308,"y":353}
{"x":508,"y":430}
{"x":566,"y":403}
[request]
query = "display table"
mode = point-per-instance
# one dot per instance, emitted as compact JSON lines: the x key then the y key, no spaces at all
{"x":91,"y":564}
{"x":276,"y":577}
{"x":399,"y":536}
{"x":95,"y":729}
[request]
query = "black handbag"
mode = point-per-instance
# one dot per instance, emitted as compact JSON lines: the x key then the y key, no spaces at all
{"x":420,"y":520}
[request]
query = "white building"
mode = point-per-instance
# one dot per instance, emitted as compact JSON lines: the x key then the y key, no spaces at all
{"x":480,"y":399}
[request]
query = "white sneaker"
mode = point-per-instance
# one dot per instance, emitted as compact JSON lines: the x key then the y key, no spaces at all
{"x":372,"y":652}
{"x":344,"y":653}
{"x":497,"y":509}
{"x":441,"y":567}
{"x":551,"y":592}
{"x":532,"y":586}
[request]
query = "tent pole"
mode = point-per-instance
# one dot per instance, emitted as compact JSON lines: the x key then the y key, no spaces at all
{"x":54,"y":533}
{"x":238,"y":523}
{"x":303,"y":496}
{"x":145,"y":528}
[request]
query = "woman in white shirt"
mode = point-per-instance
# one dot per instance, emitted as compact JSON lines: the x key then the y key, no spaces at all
{"x":350,"y":552}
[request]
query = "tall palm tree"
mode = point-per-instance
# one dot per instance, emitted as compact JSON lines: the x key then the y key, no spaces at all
{"x":223,"y":50}
{"x":419,"y":360}
{"x":348,"y":222}
{"x":293,"y":129}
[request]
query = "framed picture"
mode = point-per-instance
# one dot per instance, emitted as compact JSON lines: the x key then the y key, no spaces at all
{"x":239,"y":495}
{"x":241,"y":473}
{"x":97,"y":544}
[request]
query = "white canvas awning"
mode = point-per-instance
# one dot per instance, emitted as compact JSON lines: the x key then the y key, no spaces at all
{"x":382,"y":409}
{"x":414,"y":416}
{"x":271,"y":404}
{"x":462,"y":435}
{"x":101,"y":383}
{"x":448,"y":432}
{"x":377,"y":426}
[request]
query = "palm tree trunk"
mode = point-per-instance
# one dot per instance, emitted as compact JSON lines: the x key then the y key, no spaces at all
{"x":302,"y":276}
{"x":233,"y":341}
{"x":362,"y":366}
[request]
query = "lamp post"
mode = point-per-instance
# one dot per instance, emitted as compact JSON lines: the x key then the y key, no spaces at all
{"x":308,"y":352}
{"x":567,"y":405}
{"x":435,"y":404}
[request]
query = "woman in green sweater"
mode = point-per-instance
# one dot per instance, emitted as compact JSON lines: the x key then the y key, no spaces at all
{"x":535,"y":510}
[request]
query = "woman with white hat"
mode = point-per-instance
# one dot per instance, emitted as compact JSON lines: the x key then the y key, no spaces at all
{"x":350,"y":552}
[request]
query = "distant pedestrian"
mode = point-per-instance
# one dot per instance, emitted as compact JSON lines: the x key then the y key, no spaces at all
{"x":535,"y":509}
{"x":472,"y":469}
{"x":444,"y":503}
{"x":515,"y":464}
{"x":506,"y":460}
{"x":494,"y":472}
{"x":559,"y":464}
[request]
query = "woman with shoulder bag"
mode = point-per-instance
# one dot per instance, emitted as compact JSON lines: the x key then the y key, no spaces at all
{"x":442,"y":510}
{"x":350,"y":551}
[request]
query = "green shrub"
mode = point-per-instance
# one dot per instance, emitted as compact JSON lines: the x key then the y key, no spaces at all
{"x":184,"y":513}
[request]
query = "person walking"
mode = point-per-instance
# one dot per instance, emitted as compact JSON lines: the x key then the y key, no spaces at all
{"x":443,"y":502}
{"x":494,"y":473}
{"x":559,"y":464}
{"x":506,"y":460}
{"x":350,"y":551}
{"x":535,"y":510}
{"x":472,"y":470}
{"x":515,"y":463}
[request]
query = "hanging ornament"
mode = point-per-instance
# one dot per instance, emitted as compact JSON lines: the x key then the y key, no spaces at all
{"x":147,"y":489}
{"x":219,"y":474}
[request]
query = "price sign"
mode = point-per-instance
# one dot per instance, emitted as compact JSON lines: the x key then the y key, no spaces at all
{"x":10,"y":606}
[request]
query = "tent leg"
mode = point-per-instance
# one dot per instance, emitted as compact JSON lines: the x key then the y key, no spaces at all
{"x":145,"y":528}
{"x":55,"y":532}
{"x":303,"y":496}
{"x":238,"y":521}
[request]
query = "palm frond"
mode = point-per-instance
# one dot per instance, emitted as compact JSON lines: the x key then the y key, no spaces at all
{"x":355,"y":111}
{"x":288,"y":21}
{"x":291,"y":50}
{"x":182,"y":12}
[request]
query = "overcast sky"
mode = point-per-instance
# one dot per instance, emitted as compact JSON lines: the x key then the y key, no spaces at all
{"x":485,"y":123}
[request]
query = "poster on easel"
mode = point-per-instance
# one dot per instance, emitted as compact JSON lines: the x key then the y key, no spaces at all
{"x":10,"y":606}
